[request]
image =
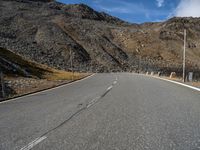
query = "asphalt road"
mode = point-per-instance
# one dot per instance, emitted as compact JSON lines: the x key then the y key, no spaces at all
{"x":106,"y":112}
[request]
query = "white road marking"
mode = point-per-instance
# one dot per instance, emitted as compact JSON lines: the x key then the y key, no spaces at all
{"x":38,"y":140}
{"x":115,"y":82}
{"x":109,"y":88}
{"x":92,"y":102}
{"x":67,"y":84}
{"x":33,"y":143}
{"x":182,"y":84}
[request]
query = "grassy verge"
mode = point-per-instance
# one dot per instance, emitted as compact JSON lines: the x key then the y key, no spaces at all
{"x":63,"y":75}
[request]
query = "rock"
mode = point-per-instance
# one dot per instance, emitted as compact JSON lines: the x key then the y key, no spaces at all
{"x":172,"y":75}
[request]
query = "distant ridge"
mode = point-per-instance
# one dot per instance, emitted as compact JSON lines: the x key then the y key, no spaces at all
{"x":53,"y":33}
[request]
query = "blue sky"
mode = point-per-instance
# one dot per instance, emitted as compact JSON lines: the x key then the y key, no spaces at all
{"x":139,"y":11}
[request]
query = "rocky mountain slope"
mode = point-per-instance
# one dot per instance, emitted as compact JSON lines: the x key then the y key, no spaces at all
{"x":52,"y":33}
{"x":21,"y":76}
{"x":12,"y":64}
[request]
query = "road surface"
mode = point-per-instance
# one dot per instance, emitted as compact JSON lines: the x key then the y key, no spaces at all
{"x":106,"y":112}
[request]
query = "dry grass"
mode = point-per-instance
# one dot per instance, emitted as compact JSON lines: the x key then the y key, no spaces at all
{"x":63,"y":75}
{"x":197,"y":84}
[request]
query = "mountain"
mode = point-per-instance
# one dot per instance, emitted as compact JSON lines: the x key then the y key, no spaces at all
{"x":55,"y":34}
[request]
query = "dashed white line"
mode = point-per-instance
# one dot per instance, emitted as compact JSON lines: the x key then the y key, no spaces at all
{"x":33,"y":143}
{"x":98,"y":97}
{"x":38,"y":140}
{"x":109,"y":88}
{"x":93,"y":101}
{"x":115,"y":82}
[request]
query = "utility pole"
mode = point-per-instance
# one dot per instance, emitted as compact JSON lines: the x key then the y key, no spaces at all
{"x":184,"y":49}
{"x":71,"y":61}
{"x":139,"y":64}
{"x":2,"y":84}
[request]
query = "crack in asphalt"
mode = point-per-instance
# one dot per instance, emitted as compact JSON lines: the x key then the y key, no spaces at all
{"x":88,"y":105}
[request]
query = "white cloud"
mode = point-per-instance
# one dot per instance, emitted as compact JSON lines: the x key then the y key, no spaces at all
{"x":160,"y":3}
{"x":188,"y":8}
{"x":128,"y":10}
{"x":116,"y":9}
{"x":123,"y":7}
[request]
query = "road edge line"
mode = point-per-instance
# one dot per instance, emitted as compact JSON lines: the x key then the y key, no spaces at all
{"x":45,"y":90}
{"x":176,"y":82}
